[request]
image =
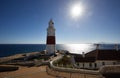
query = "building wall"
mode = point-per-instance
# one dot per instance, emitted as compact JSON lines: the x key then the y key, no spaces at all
{"x":102,"y":63}
{"x":95,"y":65}
{"x":72,"y":59}
{"x":87,"y":65}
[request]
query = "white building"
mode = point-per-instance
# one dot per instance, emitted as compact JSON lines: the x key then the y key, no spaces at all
{"x":50,"y":42}
{"x":98,"y":58}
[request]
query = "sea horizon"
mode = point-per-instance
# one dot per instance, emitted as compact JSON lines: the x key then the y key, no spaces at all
{"x":11,"y":49}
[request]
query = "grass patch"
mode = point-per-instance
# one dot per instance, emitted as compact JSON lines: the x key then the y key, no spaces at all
{"x":64,"y":62}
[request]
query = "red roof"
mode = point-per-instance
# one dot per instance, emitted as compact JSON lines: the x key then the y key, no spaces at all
{"x":99,"y":55}
{"x":108,"y":55}
{"x":86,"y":59}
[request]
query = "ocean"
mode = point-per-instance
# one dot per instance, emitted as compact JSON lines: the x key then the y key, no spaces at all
{"x":11,"y":49}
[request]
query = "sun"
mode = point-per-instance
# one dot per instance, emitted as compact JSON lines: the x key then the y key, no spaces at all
{"x":76,"y":10}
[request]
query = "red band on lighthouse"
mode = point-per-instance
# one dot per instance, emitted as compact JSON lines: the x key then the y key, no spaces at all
{"x":50,"y":39}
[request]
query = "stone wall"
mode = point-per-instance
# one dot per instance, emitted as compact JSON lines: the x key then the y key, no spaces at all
{"x":8,"y":68}
{"x":70,"y":72}
{"x":110,"y":69}
{"x":64,"y":74}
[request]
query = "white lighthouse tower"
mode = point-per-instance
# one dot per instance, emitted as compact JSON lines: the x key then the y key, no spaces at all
{"x":50,"y":42}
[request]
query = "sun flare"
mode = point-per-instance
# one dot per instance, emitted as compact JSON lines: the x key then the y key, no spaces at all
{"x":79,"y":48}
{"x":76,"y":10}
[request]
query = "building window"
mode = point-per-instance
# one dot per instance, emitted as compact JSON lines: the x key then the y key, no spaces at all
{"x":103,"y":63}
{"x":77,"y":64}
{"x":83,"y":65}
{"x":90,"y":64}
{"x":95,"y":65}
{"x":114,"y":63}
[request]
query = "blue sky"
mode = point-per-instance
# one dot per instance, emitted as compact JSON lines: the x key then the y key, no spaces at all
{"x":25,"y":21}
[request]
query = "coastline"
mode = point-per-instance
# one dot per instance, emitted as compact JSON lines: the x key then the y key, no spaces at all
{"x":31,"y":72}
{"x":7,"y":58}
{"x":39,"y":71}
{"x":22,"y":71}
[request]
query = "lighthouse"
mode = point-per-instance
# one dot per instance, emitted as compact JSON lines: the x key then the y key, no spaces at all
{"x":50,"y":41}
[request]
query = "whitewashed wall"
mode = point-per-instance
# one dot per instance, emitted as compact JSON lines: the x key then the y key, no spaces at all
{"x":95,"y":65}
{"x":100,"y":63}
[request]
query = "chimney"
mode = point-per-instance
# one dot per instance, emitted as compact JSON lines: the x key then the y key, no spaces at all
{"x":97,"y":46}
{"x":116,"y":47}
{"x":83,"y":54}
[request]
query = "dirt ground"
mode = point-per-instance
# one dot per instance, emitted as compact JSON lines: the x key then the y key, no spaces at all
{"x":25,"y":72}
{"x":40,"y":72}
